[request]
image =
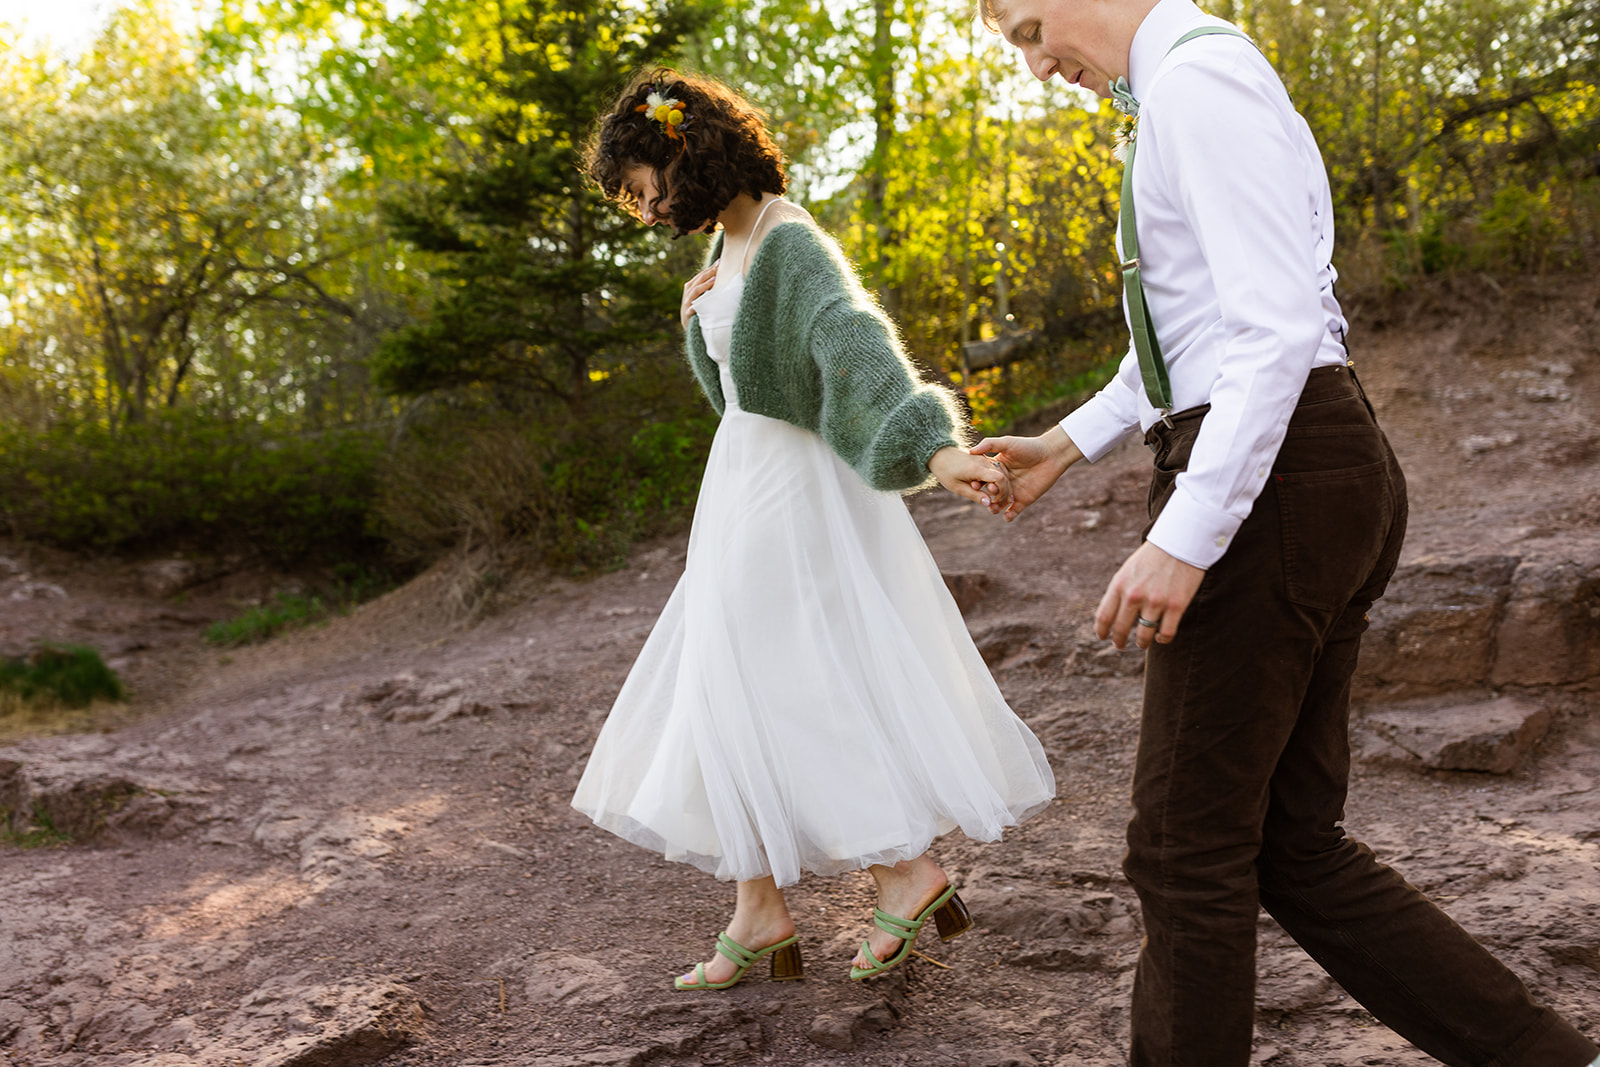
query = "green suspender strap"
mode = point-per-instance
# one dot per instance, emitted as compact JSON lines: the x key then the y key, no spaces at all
{"x":1152,"y":367}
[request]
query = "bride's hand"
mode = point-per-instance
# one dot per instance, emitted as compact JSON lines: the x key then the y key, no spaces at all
{"x":693,"y":289}
{"x":980,"y":480}
{"x":1034,"y":463}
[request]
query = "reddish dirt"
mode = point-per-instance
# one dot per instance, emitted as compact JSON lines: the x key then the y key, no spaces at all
{"x":378,"y":807}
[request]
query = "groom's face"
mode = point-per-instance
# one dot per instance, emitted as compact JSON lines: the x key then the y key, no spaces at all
{"x":1067,"y":38}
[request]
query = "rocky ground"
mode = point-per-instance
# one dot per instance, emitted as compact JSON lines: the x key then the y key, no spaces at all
{"x":352,"y":845}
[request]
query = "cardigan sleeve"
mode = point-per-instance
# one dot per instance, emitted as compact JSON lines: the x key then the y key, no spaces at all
{"x":876,"y":411}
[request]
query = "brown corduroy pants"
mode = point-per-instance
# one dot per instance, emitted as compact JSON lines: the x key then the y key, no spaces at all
{"x":1242,"y":770}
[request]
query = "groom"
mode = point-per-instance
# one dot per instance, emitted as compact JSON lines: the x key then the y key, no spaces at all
{"x":1277,"y":515}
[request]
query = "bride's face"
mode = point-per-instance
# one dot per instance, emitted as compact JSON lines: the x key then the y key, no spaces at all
{"x":639,"y":182}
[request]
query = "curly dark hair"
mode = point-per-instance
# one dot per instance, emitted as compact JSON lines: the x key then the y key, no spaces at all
{"x":722,"y":149}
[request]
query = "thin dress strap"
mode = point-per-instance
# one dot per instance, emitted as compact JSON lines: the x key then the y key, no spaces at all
{"x":745,"y":266}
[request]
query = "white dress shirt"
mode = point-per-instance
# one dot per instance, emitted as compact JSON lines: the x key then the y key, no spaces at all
{"x":1236,"y":241}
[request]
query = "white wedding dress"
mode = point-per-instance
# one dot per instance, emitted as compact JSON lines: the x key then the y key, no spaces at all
{"x":809,"y":698}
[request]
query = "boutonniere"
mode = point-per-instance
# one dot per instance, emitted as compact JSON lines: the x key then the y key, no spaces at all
{"x":1123,"y":100}
{"x":1127,"y":130}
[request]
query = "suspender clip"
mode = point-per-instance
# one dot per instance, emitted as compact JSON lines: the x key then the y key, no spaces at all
{"x":1166,"y":417}
{"x":1127,"y":263}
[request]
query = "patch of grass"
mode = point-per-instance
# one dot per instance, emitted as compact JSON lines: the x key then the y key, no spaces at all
{"x":72,"y":676}
{"x":353,"y":585}
{"x":474,"y":472}
{"x":36,"y":831}
{"x":21,"y":718}
{"x":263,"y":621}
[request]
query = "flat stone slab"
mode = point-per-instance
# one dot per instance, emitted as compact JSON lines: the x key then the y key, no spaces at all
{"x":1492,"y":736}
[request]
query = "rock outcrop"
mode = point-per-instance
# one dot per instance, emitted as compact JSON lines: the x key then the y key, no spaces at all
{"x":1488,"y":620}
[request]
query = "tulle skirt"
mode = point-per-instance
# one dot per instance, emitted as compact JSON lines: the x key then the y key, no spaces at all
{"x":809,"y":698}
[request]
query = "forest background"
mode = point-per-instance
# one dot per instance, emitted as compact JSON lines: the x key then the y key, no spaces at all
{"x":320,"y":281}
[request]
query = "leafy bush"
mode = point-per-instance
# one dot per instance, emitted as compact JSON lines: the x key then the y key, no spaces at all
{"x":1002,"y":398}
{"x":1517,"y":230}
{"x":574,"y":485}
{"x":187,"y":477}
{"x":70,"y":675}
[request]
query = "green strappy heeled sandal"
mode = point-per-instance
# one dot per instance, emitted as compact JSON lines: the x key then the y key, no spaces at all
{"x":786,"y":965}
{"x":948,"y":913}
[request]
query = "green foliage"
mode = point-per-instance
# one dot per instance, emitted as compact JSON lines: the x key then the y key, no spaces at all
{"x":1010,"y":399}
{"x":190,"y":478}
{"x":35,"y":831}
{"x":540,"y":276}
{"x":197,"y":254}
{"x":258,"y":623}
{"x":313,"y":206}
{"x":1518,"y":228}
{"x":571,"y":486}
{"x":1450,"y":130}
{"x":71,"y":676}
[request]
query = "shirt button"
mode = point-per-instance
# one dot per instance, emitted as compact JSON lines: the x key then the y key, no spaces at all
{"x":1221,"y":542}
{"x":1261,"y":472}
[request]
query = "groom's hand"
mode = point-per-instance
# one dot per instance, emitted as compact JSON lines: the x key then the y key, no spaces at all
{"x":1033,"y":462}
{"x":1150,"y":587}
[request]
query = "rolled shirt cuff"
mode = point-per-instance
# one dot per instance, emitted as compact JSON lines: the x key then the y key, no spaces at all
{"x":1192,"y":532}
{"x":1095,"y":428}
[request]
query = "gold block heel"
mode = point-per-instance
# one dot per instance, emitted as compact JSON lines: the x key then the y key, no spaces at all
{"x":786,"y":964}
{"x":952,"y":918}
{"x":946,"y":909}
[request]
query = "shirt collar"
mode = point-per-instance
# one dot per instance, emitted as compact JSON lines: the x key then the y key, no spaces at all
{"x":1161,"y":28}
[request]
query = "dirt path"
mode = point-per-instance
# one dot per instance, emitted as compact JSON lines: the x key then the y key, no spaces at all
{"x":352,"y":845}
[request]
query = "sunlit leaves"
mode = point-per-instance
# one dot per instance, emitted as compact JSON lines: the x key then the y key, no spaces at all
{"x":168,"y":238}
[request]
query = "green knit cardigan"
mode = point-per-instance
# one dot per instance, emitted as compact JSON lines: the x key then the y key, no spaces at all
{"x":810,"y":347}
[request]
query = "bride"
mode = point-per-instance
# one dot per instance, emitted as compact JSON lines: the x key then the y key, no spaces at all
{"x":809,"y":699}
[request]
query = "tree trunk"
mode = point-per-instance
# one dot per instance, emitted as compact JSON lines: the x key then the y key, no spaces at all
{"x":881,"y":71}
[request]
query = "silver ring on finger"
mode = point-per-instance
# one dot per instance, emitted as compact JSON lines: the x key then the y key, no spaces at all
{"x":1148,"y":623}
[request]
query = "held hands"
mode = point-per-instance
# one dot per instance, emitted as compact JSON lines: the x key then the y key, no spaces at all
{"x":693,"y":289}
{"x":977,"y":479}
{"x":1034,"y":464}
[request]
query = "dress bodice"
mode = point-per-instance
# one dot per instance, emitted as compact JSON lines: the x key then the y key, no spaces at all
{"x":717,"y":309}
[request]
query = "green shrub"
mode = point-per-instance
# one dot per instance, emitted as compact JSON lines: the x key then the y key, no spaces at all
{"x":1518,"y":230}
{"x":72,"y":676}
{"x":184,"y":477}
{"x":575,"y":485}
{"x":998,"y":398}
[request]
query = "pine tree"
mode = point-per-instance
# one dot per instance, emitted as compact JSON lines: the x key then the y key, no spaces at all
{"x":542,"y":277}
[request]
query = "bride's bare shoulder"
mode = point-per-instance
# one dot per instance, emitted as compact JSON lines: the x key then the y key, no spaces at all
{"x":780,"y":213}
{"x":785,"y":211}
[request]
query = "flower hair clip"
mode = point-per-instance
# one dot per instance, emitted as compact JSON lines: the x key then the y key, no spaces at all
{"x":665,"y":110}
